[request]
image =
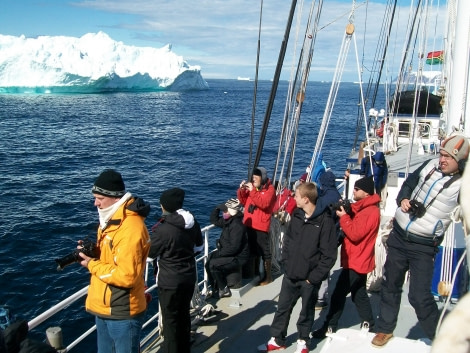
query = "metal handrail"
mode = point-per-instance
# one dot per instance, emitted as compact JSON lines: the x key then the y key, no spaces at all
{"x":82,"y":292}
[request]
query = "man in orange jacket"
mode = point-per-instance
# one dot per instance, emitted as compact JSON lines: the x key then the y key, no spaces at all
{"x":116,"y":295}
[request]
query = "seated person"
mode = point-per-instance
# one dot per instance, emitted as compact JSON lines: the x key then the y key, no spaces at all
{"x":232,"y":247}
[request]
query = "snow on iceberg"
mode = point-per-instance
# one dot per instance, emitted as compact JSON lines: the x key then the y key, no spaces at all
{"x":92,"y":63}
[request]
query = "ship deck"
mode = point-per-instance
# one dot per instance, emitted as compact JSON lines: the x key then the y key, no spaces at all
{"x":244,"y":328}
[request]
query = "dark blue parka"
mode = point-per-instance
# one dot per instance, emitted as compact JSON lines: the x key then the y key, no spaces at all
{"x":328,"y":194}
{"x":380,"y":170}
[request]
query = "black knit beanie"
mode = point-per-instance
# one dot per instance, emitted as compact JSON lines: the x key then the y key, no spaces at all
{"x":172,"y":199}
{"x":366,"y":184}
{"x":109,"y":183}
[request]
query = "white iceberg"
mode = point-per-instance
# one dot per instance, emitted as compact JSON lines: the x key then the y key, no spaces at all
{"x":91,"y":63}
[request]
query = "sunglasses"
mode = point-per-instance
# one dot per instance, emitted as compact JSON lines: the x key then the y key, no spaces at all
{"x":356,"y":189}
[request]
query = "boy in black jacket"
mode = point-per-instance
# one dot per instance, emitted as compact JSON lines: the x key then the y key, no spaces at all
{"x":174,"y":240}
{"x":308,"y":253}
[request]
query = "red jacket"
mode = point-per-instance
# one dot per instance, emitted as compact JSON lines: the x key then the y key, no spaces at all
{"x":285,"y":202}
{"x":358,"y":249}
{"x":260,"y":203}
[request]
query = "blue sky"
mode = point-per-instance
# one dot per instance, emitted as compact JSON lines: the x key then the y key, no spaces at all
{"x":218,"y":35}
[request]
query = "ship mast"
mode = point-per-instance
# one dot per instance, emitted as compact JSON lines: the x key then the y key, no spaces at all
{"x":457,"y":95}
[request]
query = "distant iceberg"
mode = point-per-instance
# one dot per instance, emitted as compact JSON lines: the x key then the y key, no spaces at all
{"x":93,"y":63}
{"x":427,"y":78}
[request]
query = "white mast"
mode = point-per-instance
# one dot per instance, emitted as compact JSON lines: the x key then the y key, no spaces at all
{"x":457,"y":96}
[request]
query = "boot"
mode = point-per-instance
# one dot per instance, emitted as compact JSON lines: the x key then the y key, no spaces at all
{"x":268,"y":276}
{"x":257,"y":258}
{"x":225,"y":293}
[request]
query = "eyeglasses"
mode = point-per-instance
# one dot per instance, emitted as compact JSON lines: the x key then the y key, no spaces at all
{"x":356,"y":189}
{"x":445,"y":156}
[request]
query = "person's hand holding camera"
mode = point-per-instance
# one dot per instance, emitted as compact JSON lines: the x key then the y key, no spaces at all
{"x":85,"y":260}
{"x":405,"y":205}
{"x":246,"y":185}
{"x":341,"y":212}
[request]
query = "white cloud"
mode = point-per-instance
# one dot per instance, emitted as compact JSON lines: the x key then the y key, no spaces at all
{"x":220,"y":35}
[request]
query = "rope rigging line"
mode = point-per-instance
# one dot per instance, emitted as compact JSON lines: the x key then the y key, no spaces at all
{"x":275,"y":84}
{"x":255,"y":90}
{"x":296,"y":96}
{"x":377,"y":66}
{"x":349,"y":32}
{"x":286,"y":124}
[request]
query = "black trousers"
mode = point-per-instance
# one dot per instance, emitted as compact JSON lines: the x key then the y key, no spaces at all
{"x":291,"y":291}
{"x":349,"y":281}
{"x":402,"y":256}
{"x":218,"y":268}
{"x":260,"y":243}
{"x":175,"y":306}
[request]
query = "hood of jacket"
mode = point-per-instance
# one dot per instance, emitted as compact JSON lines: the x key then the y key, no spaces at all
{"x":264,"y":174}
{"x":181,"y":219}
{"x":379,"y":157}
{"x":140,"y":207}
{"x":327,"y":180}
{"x":370,"y":200}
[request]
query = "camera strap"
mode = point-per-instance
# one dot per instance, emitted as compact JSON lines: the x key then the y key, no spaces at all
{"x":454,"y":177}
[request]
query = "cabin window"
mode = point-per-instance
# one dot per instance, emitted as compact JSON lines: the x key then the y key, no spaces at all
{"x":404,"y":128}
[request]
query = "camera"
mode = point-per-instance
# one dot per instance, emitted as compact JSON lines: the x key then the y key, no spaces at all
{"x":346,"y":204}
{"x":89,"y":249}
{"x":417,"y":209}
{"x":251,"y":208}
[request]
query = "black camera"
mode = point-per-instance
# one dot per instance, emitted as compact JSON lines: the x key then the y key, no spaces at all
{"x":251,"y":208}
{"x":346,"y":204}
{"x":417,"y":209}
{"x":89,"y":249}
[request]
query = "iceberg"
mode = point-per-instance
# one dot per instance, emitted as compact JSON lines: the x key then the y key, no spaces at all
{"x":93,"y":63}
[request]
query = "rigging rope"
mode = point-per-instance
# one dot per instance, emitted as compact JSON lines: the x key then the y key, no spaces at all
{"x":333,"y":90}
{"x":255,"y":90}
{"x":296,"y":96}
{"x":277,"y":75}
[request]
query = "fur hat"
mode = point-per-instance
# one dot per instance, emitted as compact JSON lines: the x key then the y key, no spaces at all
{"x":366,"y":184}
{"x":457,"y":146}
{"x":109,"y":183}
{"x":172,"y":199}
{"x":233,"y":206}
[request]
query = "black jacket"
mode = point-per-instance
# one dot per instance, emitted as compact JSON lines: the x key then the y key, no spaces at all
{"x":309,"y":247}
{"x":173,"y":241}
{"x":233,"y":241}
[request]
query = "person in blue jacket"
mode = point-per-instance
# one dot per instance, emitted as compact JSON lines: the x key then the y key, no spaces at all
{"x":379,"y":167}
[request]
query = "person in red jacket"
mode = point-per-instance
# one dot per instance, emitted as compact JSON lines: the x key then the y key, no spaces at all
{"x":258,"y":198}
{"x":360,"y":226}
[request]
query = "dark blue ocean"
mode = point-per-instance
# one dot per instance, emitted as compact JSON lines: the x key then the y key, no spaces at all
{"x":52,"y":147}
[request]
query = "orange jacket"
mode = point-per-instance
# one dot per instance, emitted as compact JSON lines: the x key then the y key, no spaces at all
{"x":117,"y":278}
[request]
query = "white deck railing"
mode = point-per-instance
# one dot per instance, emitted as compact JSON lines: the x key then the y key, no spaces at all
{"x":41,"y":318}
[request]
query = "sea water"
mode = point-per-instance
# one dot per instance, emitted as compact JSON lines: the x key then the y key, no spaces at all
{"x":52,"y":147}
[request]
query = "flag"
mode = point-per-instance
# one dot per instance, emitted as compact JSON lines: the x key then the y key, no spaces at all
{"x":435,"y":57}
